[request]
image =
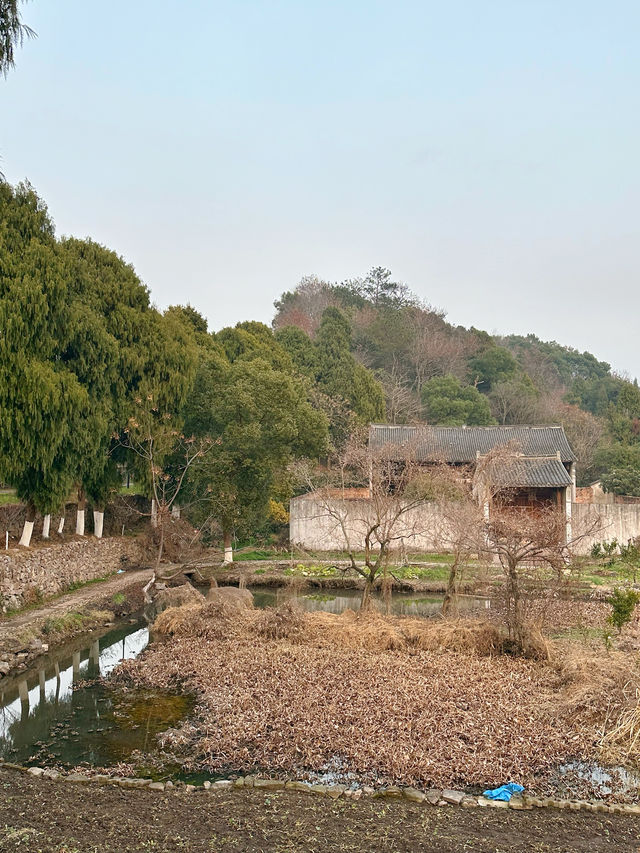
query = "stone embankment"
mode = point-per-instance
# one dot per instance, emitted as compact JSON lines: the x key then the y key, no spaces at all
{"x":29,"y":576}
{"x":429,"y":797}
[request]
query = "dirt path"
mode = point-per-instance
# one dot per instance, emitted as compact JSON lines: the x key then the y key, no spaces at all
{"x":47,"y":816}
{"x":76,"y":600}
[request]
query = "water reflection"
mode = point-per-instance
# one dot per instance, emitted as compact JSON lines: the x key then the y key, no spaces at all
{"x":45,"y":717}
{"x":337,"y":601}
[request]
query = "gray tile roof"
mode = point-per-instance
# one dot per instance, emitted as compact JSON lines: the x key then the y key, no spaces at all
{"x":462,"y":444}
{"x":536,"y":473}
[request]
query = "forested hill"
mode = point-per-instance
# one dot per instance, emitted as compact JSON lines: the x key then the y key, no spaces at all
{"x":430,"y":370}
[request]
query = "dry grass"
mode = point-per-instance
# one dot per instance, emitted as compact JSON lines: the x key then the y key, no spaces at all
{"x":402,"y":700}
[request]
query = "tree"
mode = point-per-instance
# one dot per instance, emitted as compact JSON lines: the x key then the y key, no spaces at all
{"x":259,"y":419}
{"x":492,"y":365}
{"x":384,"y":518}
{"x":448,"y":402}
{"x":340,"y":375}
{"x":47,"y":420}
{"x":537,"y":552}
{"x":13,"y":32}
{"x":167,"y":456}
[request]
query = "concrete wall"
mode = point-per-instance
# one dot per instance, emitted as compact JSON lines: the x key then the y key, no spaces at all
{"x":618,"y":521}
{"x":311,"y":527}
{"x":26,"y":575}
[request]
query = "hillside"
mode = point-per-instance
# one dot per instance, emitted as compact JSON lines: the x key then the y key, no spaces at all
{"x":430,"y":370}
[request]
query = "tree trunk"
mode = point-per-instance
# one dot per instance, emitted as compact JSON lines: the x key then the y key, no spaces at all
{"x":452,"y":591}
{"x":27,"y":530}
{"x":82,"y":503}
{"x":98,"y":523}
{"x":228,"y":547}
{"x":175,"y":510}
{"x":154,"y":513}
{"x":61,"y":525}
{"x":46,"y":526}
{"x":366,"y":603}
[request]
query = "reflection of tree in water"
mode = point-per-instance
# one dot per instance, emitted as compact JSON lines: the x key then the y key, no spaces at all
{"x":55,"y":722}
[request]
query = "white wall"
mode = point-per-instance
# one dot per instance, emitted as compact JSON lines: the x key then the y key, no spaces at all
{"x":312,"y":528}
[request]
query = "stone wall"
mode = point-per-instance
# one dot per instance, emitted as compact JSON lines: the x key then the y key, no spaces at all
{"x":27,"y":575}
{"x":311,"y":527}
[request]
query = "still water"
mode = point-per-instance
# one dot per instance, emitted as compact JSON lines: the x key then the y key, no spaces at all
{"x":337,"y":601}
{"x":48,"y":718}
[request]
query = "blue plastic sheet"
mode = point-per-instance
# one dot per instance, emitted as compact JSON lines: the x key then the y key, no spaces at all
{"x":504,"y":792}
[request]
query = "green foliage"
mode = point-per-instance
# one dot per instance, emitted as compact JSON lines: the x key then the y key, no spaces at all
{"x":448,"y":402}
{"x":13,"y":32}
{"x":495,"y":364}
{"x":605,"y":552}
{"x":619,"y":466}
{"x":623,"y":603}
{"x":259,"y":418}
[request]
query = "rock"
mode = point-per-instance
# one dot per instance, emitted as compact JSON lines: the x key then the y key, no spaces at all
{"x":206,"y":785}
{"x":413,"y":795}
{"x":79,"y":777}
{"x":239,"y":782}
{"x":319,"y":789}
{"x":50,"y":773}
{"x":368,"y":790}
{"x":356,"y":795}
{"x":222,"y":784}
{"x":453,"y":797}
{"x":269,"y":784}
{"x":519,"y":804}
{"x":158,"y":786}
{"x":497,"y":804}
{"x":5,"y":669}
{"x":176,"y":596}
{"x":391,"y":793}
{"x":298,"y":786}
{"x":36,"y":771}
{"x":168,"y":784}
{"x":335,"y":791}
{"x":188,"y":788}
{"x":249,"y":781}
{"x":469,"y":802}
{"x":239,"y":599}
{"x":433,"y":796}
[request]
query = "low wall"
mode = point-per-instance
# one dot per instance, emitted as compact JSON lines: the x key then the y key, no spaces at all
{"x":26,"y":576}
{"x":618,"y":521}
{"x":313,"y":528}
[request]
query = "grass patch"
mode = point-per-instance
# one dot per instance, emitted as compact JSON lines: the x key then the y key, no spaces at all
{"x":81,"y":584}
{"x":8,"y":498}
{"x":311,"y":571}
{"x":74,"y":621}
{"x":119,"y":598}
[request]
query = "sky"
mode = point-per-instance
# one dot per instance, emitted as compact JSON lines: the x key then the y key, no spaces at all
{"x":486,"y":151}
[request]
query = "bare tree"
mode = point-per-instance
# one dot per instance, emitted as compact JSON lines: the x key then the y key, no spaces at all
{"x":167,"y":456}
{"x":372,"y":498}
{"x":535,"y":548}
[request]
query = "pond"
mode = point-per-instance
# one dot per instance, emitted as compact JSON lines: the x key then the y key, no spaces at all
{"x":49,"y":717}
{"x":339,"y":600}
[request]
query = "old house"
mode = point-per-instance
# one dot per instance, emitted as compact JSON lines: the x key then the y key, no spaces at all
{"x":537,"y":469}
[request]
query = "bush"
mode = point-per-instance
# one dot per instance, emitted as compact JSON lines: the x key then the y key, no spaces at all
{"x":623,"y":602}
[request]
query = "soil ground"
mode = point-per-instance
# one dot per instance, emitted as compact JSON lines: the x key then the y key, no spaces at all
{"x":47,"y":816}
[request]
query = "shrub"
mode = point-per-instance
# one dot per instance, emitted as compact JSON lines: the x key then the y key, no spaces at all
{"x":623,"y":602}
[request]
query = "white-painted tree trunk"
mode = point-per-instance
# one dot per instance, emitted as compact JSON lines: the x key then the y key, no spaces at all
{"x":46,"y":526}
{"x":175,"y":511}
{"x":80,"y":522}
{"x":228,"y":548}
{"x":27,"y":531}
{"x":98,"y":523}
{"x":61,"y":526}
{"x":154,"y":513}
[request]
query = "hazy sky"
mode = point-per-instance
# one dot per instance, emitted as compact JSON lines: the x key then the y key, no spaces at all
{"x":485,"y":151}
